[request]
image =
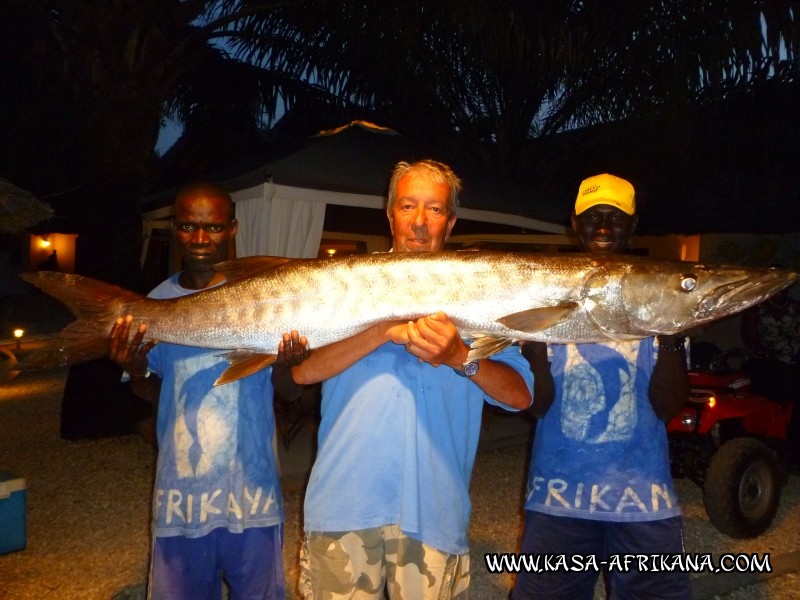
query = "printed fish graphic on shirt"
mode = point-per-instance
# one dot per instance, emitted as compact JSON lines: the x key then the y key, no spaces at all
{"x":494,"y":298}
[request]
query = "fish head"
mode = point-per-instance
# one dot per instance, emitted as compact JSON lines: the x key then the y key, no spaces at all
{"x":652,"y":297}
{"x":733,"y":289}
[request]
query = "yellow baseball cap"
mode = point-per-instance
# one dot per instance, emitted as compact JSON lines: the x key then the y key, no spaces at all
{"x":606,"y":189}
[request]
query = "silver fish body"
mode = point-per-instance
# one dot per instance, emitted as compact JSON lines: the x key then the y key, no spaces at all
{"x":511,"y":296}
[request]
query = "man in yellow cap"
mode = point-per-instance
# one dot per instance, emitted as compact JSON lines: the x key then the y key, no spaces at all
{"x":599,"y":486}
{"x":605,"y":214}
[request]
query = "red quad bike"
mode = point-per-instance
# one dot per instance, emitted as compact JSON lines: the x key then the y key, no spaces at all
{"x":732,"y":443}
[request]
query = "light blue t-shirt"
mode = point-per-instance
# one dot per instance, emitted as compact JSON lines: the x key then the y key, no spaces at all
{"x":600,"y":452}
{"x":397,"y":442}
{"x":216,"y":462}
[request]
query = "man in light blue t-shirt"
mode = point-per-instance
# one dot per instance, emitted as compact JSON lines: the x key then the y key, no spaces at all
{"x":599,"y":482}
{"x":387,"y":504}
{"x":217,"y":504}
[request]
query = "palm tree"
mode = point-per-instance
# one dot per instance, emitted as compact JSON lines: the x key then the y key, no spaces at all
{"x":660,"y":56}
{"x":490,"y":75}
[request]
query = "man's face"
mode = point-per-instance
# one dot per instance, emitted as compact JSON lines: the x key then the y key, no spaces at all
{"x":604,"y":229}
{"x":203,"y":229}
{"x":420,"y":218}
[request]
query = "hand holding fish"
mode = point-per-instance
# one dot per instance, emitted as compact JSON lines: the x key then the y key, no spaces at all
{"x":292,"y":349}
{"x":130,"y":355}
{"x":435,"y":340}
{"x":396,"y":332}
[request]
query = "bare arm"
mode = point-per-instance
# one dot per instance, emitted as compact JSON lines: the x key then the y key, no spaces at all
{"x":330,"y":360}
{"x":669,"y":383}
{"x":436,"y":340}
{"x":543,"y":384}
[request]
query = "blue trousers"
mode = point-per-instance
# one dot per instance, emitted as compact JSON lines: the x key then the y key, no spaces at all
{"x":251,"y":563}
{"x":548,"y":534}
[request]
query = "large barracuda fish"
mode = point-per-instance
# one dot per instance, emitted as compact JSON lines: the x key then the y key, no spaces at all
{"x":493,"y":298}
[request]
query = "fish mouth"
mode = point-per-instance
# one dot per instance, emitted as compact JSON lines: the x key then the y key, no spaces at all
{"x":743,"y":293}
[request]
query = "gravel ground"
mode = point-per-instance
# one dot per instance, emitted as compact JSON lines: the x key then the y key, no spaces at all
{"x":88,"y":505}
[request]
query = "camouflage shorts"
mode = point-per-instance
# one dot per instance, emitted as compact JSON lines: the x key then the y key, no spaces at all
{"x":356,"y":565}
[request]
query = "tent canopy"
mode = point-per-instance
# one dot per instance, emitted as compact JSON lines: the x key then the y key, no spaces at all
{"x":281,"y":204}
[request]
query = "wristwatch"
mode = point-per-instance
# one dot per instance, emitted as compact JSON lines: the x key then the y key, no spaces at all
{"x":469,"y":369}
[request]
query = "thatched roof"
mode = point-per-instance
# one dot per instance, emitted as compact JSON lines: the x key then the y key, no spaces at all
{"x":20,"y":209}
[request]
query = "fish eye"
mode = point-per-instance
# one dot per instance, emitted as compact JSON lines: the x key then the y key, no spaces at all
{"x":688,"y":282}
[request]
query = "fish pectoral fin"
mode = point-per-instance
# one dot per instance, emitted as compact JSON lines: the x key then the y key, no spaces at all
{"x":538,"y":319}
{"x":244,"y":363}
{"x":484,"y":346}
{"x":249,"y":266}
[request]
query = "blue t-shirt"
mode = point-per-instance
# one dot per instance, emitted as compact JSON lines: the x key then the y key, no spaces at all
{"x":600,"y":452}
{"x":397,"y":442}
{"x":216,"y":462}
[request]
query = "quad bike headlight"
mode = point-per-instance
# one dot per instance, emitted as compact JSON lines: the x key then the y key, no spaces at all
{"x":689,"y":421}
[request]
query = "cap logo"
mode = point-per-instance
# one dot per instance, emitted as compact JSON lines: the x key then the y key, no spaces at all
{"x":591,"y":189}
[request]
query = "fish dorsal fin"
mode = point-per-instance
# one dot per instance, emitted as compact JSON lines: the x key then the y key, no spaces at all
{"x":538,"y":319}
{"x":244,"y":363}
{"x":249,"y":266}
{"x":484,"y":346}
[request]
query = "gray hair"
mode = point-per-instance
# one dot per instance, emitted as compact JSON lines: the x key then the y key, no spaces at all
{"x":430,"y":170}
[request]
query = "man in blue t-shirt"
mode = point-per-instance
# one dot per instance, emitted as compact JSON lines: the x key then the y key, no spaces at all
{"x":599,"y":480}
{"x":217,"y":503}
{"x":387,"y":504}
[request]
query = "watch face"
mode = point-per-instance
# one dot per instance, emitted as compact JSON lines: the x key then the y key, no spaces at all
{"x":470,"y":369}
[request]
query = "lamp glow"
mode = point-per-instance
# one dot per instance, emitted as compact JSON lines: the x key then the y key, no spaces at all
{"x":18,"y":333}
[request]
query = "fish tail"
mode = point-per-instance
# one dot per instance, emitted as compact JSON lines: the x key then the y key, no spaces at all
{"x":95,"y":305}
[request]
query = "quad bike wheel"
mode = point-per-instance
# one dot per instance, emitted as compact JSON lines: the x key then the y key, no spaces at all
{"x":742,"y":488}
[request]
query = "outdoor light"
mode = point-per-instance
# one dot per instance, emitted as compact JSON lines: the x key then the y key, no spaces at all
{"x":44,"y":242}
{"x":331,"y":251}
{"x":18,"y":333}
